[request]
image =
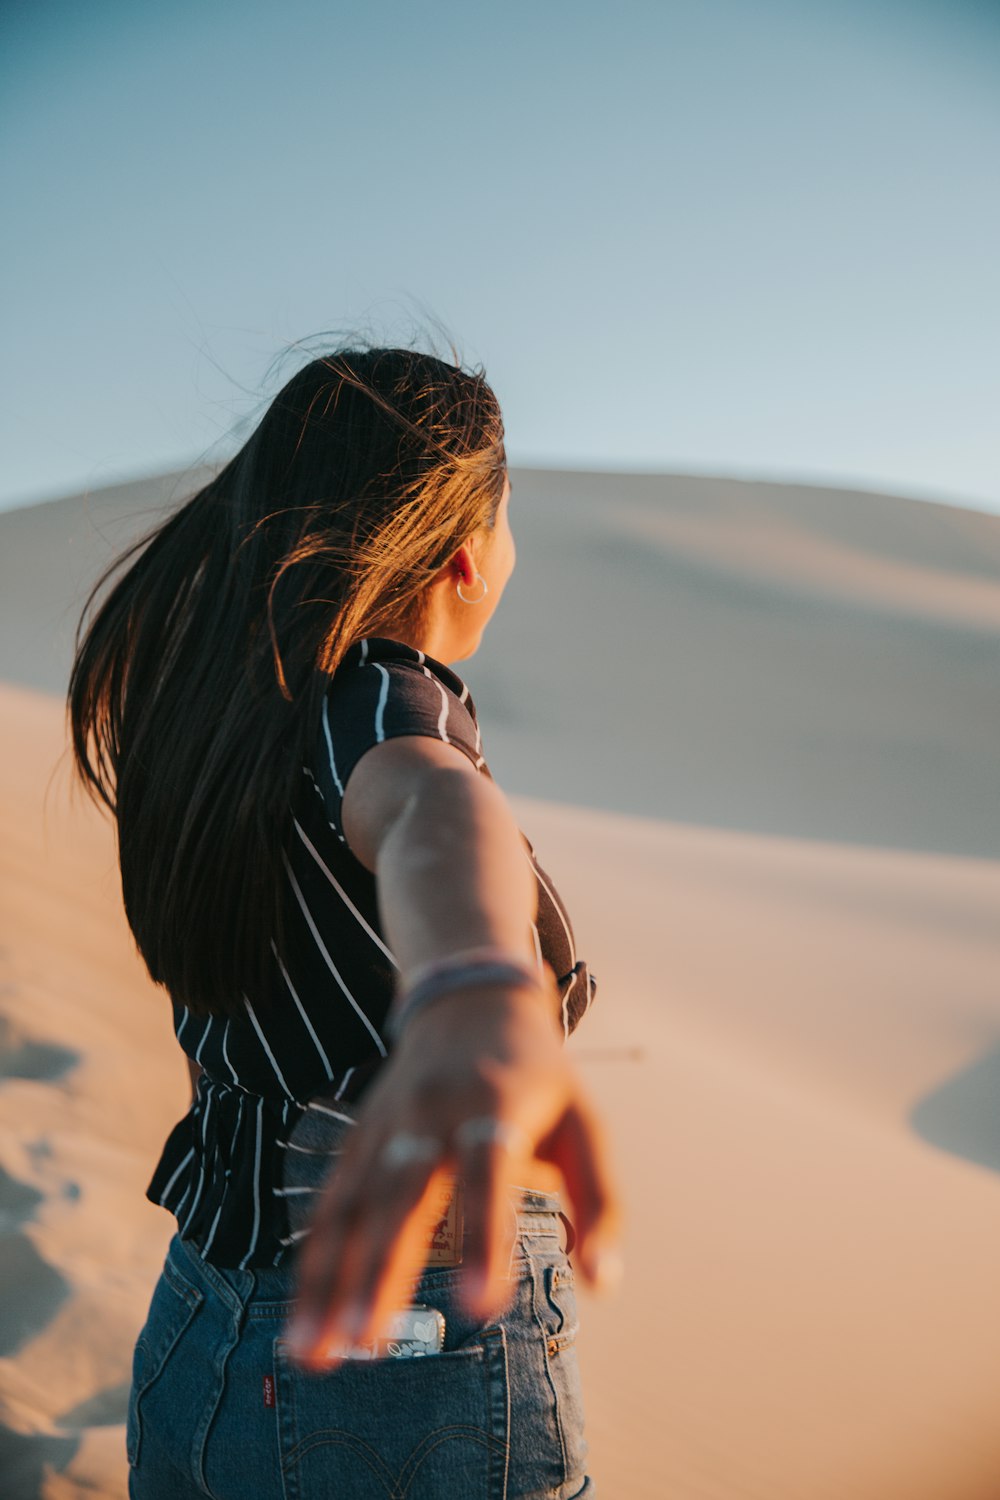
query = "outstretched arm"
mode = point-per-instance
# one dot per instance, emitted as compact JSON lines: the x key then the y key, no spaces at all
{"x":451,"y":874}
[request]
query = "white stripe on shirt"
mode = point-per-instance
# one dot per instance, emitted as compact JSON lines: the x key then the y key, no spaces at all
{"x":383,"y":1050}
{"x":202,"y":1172}
{"x":215,"y":1224}
{"x":326,"y":811}
{"x":547,"y":888}
{"x":341,"y":892}
{"x":204,"y":1039}
{"x":591,"y":991}
{"x":224,"y":1185}
{"x":256,"y":1187}
{"x":443,"y":719}
{"x":380,"y":709}
{"x":329,"y":749}
{"x":184,"y":1197}
{"x":225,"y":1055}
{"x":538,"y":946}
{"x":175,"y":1174}
{"x":263,"y":1041}
{"x":334,"y":1113}
{"x":295,"y":1235}
{"x":236,"y":1133}
{"x":442,"y":722}
{"x":308,"y":1150}
{"x":565,"y":1006}
{"x":308,"y":1024}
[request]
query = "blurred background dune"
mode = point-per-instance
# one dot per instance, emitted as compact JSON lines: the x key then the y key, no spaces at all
{"x":767,"y":793}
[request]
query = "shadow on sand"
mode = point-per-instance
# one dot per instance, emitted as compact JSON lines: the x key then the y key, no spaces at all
{"x":20,"y":1057}
{"x":35,"y":1290}
{"x":962,"y":1116}
{"x":28,"y":1459}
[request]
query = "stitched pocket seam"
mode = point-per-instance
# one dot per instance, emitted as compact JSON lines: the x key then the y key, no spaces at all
{"x":174,"y":1326}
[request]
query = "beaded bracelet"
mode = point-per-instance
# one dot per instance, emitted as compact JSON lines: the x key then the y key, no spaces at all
{"x":489,"y":966}
{"x":484,"y":952}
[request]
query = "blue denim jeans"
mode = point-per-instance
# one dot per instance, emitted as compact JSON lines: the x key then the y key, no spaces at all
{"x":217,"y":1408}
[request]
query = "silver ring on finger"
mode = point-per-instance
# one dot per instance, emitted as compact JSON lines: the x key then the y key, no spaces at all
{"x":404,"y":1147}
{"x":485,"y":1130}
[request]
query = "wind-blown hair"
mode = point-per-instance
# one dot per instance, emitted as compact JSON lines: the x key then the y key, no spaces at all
{"x":197,"y":685}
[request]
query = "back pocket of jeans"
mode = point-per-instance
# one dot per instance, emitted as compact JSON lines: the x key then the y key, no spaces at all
{"x":175,"y":1302}
{"x":422,"y":1427}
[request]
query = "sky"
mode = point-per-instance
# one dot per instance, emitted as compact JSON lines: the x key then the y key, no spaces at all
{"x":749,"y":237}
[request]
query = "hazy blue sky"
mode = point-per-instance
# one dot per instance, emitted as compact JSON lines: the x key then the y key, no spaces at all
{"x":756,"y":237}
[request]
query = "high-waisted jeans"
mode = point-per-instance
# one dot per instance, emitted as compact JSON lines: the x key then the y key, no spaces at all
{"x":217,"y":1408}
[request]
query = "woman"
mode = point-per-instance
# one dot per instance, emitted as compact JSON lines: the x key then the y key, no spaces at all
{"x":319,"y":868}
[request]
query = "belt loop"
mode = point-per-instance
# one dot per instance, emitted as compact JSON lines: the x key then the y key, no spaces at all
{"x":515,"y":1244}
{"x":570,"y":1231}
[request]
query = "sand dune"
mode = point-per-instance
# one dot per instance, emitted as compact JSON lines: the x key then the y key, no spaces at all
{"x":753,"y":733}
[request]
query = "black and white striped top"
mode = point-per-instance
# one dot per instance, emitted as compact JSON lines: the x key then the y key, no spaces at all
{"x":323,"y":1032}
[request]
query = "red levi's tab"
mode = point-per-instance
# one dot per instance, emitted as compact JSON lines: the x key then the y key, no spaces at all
{"x":268,"y":1390}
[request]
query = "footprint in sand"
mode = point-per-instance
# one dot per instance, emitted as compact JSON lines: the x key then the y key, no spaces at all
{"x":960,"y":1116}
{"x":108,"y":1408}
{"x":21,"y":1057}
{"x":18,"y":1201}
{"x":39,"y":1290}
{"x":28,"y":1460}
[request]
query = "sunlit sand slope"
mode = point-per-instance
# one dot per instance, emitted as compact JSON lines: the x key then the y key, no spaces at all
{"x":752,"y":732}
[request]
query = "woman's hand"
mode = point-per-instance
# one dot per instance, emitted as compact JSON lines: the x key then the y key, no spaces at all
{"x":493,"y":1052}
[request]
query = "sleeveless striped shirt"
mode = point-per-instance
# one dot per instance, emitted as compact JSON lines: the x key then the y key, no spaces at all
{"x":221,"y":1169}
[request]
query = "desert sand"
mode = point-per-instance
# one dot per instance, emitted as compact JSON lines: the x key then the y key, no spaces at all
{"x":753,"y":732}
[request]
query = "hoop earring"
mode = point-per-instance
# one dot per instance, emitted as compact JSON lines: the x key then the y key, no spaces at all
{"x":482,"y":580}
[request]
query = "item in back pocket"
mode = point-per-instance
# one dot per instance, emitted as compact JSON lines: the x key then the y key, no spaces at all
{"x":412,"y":1333}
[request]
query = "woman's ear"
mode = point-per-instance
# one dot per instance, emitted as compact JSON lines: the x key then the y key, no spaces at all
{"x":463,"y":566}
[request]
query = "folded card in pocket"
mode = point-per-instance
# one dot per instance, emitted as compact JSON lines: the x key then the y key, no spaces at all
{"x":412,"y":1333}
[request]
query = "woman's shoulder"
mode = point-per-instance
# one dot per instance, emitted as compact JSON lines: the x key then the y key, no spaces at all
{"x":377,"y":651}
{"x":384,"y":689}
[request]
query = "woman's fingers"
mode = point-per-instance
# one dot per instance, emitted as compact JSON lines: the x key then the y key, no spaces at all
{"x":487,"y":1167}
{"x":387,"y":1252}
{"x":320,"y":1268}
{"x":367,"y":1241}
{"x":578,"y":1147}
{"x":369,"y":1234}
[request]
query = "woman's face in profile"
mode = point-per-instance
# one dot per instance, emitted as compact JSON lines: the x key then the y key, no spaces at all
{"x":495,"y":562}
{"x":502,"y":553}
{"x":453,"y":627}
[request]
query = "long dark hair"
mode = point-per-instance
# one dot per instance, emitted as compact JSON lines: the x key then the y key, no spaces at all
{"x":197,"y":685}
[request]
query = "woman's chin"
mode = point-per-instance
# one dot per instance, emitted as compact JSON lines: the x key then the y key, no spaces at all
{"x":467,"y":652}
